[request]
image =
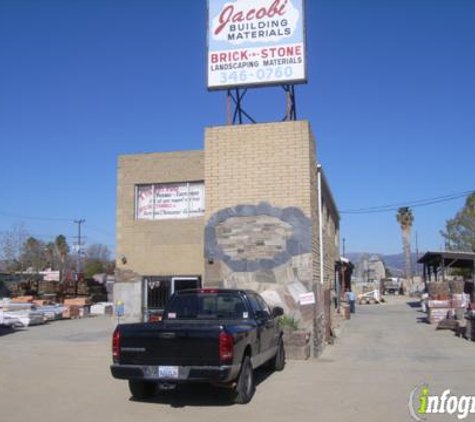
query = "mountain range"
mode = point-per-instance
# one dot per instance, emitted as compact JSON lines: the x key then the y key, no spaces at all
{"x":394,"y":262}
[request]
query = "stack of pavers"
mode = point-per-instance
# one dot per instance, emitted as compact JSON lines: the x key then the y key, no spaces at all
{"x":77,"y":308}
{"x":447,"y":301}
{"x":439,"y":304}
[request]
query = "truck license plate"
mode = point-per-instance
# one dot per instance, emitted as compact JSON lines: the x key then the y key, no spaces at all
{"x":170,"y":372}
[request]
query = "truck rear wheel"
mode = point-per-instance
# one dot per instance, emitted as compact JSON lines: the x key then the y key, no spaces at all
{"x":245,"y":386}
{"x":277,"y":363}
{"x":142,"y":389}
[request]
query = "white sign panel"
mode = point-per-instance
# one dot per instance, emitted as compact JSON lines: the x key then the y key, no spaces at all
{"x":170,"y":201}
{"x":307,"y":299}
{"x":50,"y":275}
{"x":255,"y":42}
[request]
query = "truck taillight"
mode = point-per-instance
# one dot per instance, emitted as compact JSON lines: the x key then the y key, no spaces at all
{"x":226,"y":347}
{"x":116,"y":345}
{"x":212,"y":291}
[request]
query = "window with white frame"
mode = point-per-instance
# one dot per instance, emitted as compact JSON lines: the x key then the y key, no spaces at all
{"x":166,"y":201}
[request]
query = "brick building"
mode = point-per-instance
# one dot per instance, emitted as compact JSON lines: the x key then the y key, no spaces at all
{"x":243,"y":213}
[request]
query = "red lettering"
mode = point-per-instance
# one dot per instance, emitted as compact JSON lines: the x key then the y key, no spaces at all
{"x":224,"y":18}
{"x":276,"y":10}
{"x":273,"y":52}
{"x":231,"y":56}
{"x":238,"y":17}
{"x":250,"y":14}
{"x":228,"y":14}
{"x":261,"y":13}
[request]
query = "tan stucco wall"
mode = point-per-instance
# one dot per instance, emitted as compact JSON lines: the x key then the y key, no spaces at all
{"x":164,"y":247}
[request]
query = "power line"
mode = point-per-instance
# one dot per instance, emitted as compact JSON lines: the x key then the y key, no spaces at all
{"x":411,"y":204}
{"x":99,"y":230}
{"x":400,"y":204}
{"x":25,"y":217}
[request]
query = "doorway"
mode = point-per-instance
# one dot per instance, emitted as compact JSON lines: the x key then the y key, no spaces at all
{"x":158,"y":291}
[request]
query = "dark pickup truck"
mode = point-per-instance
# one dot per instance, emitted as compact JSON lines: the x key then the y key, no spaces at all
{"x":217,"y":336}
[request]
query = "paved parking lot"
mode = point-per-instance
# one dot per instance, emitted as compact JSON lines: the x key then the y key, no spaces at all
{"x":60,"y":372}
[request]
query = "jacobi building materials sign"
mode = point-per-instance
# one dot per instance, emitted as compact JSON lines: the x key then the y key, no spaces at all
{"x":255,"y":42}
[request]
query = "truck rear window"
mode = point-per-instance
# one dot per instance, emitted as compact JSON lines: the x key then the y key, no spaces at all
{"x":207,"y":306}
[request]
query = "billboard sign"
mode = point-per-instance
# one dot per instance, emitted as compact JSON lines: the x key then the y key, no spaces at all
{"x":256,"y":42}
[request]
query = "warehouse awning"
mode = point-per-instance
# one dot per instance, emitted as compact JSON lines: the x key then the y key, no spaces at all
{"x":436,"y":263}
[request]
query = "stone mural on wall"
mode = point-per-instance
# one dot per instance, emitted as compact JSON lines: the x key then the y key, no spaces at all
{"x":263,"y":248}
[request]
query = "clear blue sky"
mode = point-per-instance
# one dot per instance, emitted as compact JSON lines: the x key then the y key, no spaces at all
{"x":391,"y":98}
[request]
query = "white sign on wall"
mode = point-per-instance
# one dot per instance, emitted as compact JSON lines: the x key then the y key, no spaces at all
{"x":307,"y":299}
{"x":170,"y":201}
{"x":255,"y":42}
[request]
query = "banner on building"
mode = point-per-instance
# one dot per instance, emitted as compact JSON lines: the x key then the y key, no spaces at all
{"x":256,"y":42}
{"x":170,"y":201}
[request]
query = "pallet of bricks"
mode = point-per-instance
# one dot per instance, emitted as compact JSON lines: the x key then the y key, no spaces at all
{"x":447,"y":300}
{"x":439,"y":304}
{"x":77,"y":308}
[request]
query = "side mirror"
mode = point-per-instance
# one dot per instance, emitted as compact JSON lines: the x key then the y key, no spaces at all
{"x":277,"y":312}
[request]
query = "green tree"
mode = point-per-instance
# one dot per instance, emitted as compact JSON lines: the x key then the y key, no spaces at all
{"x":98,"y":260}
{"x":93,"y":267}
{"x":459,"y":231}
{"x":33,"y":255}
{"x":406,"y":219}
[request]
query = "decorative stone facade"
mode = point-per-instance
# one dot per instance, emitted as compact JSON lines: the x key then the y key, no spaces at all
{"x":263,"y":248}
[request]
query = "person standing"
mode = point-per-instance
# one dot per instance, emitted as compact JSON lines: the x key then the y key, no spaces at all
{"x":350,"y":296}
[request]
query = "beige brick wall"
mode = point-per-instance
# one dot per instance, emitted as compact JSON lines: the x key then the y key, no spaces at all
{"x":274,"y":163}
{"x":238,"y":159}
{"x":164,"y":247}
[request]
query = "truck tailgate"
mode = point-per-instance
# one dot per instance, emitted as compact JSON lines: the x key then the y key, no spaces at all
{"x":180,"y":343}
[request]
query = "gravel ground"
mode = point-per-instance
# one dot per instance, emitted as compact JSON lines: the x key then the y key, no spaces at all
{"x":60,"y":372}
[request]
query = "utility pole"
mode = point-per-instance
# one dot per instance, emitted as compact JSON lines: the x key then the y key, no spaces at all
{"x":417,"y":254}
{"x":79,"y":222}
{"x":344,"y":244}
{"x":79,"y":244}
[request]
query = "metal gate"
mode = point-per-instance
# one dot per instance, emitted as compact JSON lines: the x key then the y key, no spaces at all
{"x":158,"y":290}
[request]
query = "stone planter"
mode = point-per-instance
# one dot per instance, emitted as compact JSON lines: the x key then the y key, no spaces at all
{"x":297,"y":345}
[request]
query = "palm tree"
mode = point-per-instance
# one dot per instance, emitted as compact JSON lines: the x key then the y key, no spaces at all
{"x":50,"y":252}
{"x":406,"y":219}
{"x":62,"y":249}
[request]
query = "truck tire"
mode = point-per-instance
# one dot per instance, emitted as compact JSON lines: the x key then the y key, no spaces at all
{"x":277,"y":363}
{"x":245,"y":386}
{"x":142,"y":389}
